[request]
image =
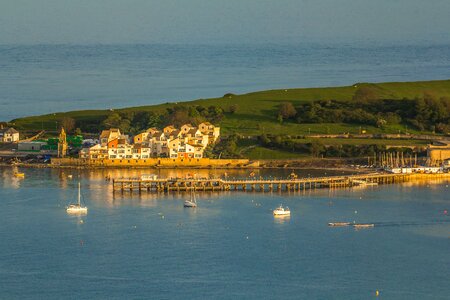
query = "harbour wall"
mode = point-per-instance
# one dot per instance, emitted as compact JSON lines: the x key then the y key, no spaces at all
{"x":154,"y":163}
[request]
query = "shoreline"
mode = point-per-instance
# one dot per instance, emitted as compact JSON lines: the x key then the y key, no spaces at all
{"x":91,"y":167}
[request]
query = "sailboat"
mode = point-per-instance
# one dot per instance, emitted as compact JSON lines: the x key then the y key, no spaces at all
{"x":76,"y":208}
{"x":192,"y":202}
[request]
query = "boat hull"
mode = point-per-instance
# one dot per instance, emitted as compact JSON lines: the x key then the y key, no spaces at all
{"x":189,"y":204}
{"x":281,"y":213}
{"x":77,"y":210}
{"x":362,"y":226}
{"x":339,"y":224}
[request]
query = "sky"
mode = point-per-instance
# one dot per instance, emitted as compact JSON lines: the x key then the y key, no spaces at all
{"x":223,"y":21}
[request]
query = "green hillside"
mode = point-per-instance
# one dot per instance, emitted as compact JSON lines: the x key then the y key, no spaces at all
{"x":256,"y":113}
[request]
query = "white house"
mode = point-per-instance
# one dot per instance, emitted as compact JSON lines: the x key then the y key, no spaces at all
{"x":9,"y":135}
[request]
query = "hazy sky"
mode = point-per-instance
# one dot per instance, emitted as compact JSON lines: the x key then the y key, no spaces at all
{"x":228,"y":21}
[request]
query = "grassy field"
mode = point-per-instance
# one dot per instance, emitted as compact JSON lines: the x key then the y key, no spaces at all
{"x":251,"y":150}
{"x":256,"y":113}
{"x":259,"y":152}
{"x":356,"y":142}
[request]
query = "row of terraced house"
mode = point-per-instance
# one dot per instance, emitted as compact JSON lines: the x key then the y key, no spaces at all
{"x":187,"y":142}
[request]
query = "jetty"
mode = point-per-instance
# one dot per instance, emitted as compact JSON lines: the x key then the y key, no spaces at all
{"x":261,"y":185}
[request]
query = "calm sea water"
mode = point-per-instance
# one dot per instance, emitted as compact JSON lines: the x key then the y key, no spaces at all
{"x":49,"y":78}
{"x":231,"y":247}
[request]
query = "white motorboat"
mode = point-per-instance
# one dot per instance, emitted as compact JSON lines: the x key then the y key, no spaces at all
{"x":77,"y":208}
{"x":281,"y":211}
{"x":362,"y":226}
{"x":192,"y":202}
{"x":339,"y":224}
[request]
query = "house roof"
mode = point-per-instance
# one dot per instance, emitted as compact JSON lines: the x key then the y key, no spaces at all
{"x":175,"y":132}
{"x":192,"y":131}
{"x":194,"y":145}
{"x":9,"y":130}
{"x":107,"y":133}
{"x":152,"y":130}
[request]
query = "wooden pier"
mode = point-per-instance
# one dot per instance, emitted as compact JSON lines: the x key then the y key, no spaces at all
{"x":262,"y":185}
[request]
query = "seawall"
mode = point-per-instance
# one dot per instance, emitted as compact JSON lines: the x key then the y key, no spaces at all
{"x":153,"y":163}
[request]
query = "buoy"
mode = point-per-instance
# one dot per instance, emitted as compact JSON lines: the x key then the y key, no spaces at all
{"x":377,"y":293}
{"x":445,"y":212}
{"x":247,"y":237}
{"x":356,"y":211}
{"x":81,"y":221}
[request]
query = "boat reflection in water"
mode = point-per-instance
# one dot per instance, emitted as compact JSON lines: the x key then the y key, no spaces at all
{"x":281,"y":219}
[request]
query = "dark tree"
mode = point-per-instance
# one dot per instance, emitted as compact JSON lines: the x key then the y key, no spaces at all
{"x":68,"y":124}
{"x":287,"y":110}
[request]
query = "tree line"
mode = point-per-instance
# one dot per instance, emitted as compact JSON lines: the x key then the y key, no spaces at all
{"x":425,"y":113}
{"x":136,"y":121}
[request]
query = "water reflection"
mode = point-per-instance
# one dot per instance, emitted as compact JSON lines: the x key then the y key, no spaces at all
{"x":205,"y":173}
{"x":9,"y":180}
{"x":280,"y":219}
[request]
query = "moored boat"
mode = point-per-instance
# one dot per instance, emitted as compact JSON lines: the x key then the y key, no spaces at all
{"x":77,"y":208}
{"x":360,"y":226}
{"x":338,"y":224}
{"x":281,"y":211}
{"x":192,"y":202}
{"x":19,"y":174}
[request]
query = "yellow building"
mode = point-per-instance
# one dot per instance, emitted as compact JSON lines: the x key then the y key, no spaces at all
{"x":108,"y":135}
{"x":212,"y":131}
{"x":438,"y":153}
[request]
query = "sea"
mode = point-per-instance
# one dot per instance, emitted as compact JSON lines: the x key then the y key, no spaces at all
{"x":148,"y":246}
{"x":42,"y":79}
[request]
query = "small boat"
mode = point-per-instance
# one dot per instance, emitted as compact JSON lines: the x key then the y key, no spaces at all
{"x":360,"y":226}
{"x":77,"y":208}
{"x":339,"y":224}
{"x":192,"y":202}
{"x":19,"y":174}
{"x":281,"y":211}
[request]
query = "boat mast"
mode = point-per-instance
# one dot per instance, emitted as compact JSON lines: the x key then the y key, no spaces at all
{"x":79,"y":194}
